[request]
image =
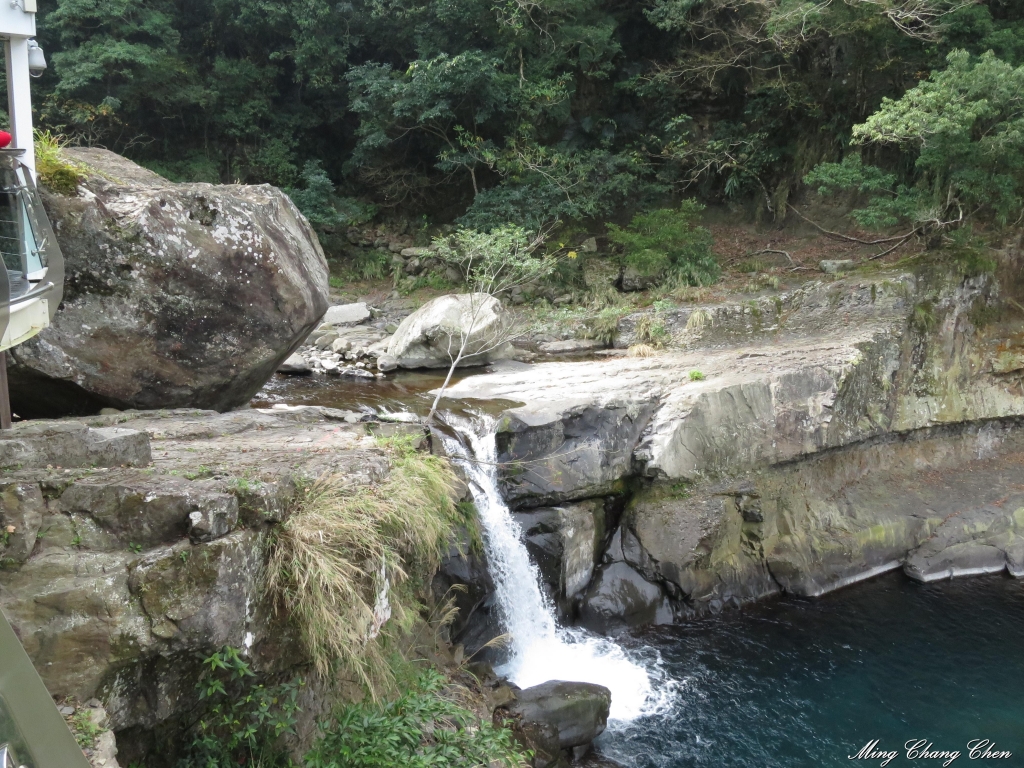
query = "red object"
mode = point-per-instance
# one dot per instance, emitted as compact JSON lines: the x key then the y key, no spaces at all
{"x":5,"y":139}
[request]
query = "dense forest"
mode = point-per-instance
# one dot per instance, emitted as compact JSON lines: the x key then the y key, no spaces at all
{"x":492,"y":111}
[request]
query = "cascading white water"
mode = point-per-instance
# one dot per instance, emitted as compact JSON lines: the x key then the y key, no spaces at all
{"x":539,"y":649}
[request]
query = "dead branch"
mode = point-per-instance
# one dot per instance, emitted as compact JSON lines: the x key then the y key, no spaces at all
{"x":848,"y":238}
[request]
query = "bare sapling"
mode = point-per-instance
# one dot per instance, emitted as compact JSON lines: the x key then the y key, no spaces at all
{"x":492,"y":264}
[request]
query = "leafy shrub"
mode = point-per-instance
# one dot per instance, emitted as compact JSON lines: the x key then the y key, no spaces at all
{"x":421,"y":729}
{"x":603,"y":326}
{"x":318,"y":202}
{"x":696,"y":376}
{"x":666,"y":241}
{"x":241,"y":720}
{"x":496,"y":261}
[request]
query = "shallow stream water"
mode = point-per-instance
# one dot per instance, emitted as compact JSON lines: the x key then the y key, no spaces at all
{"x":788,"y":683}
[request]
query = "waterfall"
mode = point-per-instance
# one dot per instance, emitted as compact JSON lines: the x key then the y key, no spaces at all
{"x":540,"y":650}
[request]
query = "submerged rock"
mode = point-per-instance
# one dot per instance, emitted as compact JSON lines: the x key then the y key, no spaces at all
{"x":176,"y":294}
{"x":431,"y":336}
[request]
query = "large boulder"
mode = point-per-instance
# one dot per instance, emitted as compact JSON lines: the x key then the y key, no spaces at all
{"x":176,"y":295}
{"x":431,"y":336}
{"x":557,"y":716}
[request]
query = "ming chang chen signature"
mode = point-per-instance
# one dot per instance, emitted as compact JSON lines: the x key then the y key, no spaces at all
{"x":923,"y":749}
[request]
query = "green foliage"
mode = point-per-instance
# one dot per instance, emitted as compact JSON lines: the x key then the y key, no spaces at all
{"x":513,"y":112}
{"x":666,"y":241}
{"x":494,"y":262}
{"x":420,"y":729}
{"x":969,"y":253}
{"x":340,"y":559}
{"x":964,"y":126}
{"x":241,"y":720}
{"x":696,"y":376}
{"x":603,"y":326}
{"x":316,"y":198}
{"x":86,"y":731}
{"x":651,"y":331}
{"x":55,"y":171}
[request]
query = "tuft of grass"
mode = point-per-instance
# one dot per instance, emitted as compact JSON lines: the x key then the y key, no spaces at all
{"x":339,"y":562}
{"x":696,"y":376}
{"x":642,"y":350}
{"x":698,"y":320}
{"x":55,"y":171}
{"x":604,"y":325}
{"x":650,"y":331}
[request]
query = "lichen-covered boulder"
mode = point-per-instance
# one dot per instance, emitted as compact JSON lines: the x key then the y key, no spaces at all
{"x":432,"y":336}
{"x":176,"y":295}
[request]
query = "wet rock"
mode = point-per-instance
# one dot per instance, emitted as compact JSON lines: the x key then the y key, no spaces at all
{"x":564,"y":542}
{"x":432,"y":335}
{"x":621,"y":597}
{"x":387,"y":363}
{"x":987,"y":539}
{"x":571,"y":453}
{"x":463,"y":577}
{"x":556,"y":716}
{"x":175,"y":294}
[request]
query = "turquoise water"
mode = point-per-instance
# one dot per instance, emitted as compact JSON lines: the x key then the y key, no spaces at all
{"x":796,"y":683}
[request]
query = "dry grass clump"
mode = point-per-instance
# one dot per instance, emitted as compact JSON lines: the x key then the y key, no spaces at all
{"x":698,"y":320}
{"x":346,"y":560}
{"x":641,"y":350}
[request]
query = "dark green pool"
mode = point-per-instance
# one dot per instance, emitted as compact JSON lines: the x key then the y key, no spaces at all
{"x":796,"y":683}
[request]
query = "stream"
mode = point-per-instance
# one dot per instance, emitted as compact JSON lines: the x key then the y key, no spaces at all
{"x":786,"y":683}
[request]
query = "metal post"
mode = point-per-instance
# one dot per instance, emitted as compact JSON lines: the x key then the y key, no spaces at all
{"x":5,"y":395}
{"x":19,"y":98}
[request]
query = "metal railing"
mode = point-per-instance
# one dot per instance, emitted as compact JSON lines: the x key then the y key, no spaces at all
{"x":32,"y":264}
{"x":32,"y":732}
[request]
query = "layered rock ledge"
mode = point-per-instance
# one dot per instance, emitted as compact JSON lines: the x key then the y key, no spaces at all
{"x":792,"y":443}
{"x":122,"y":569}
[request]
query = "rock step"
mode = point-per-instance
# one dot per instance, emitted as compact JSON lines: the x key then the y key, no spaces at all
{"x":30,"y":444}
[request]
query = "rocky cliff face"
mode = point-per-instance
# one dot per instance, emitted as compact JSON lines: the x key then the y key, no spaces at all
{"x":176,"y":295}
{"x":121,"y":568}
{"x":794,"y":443}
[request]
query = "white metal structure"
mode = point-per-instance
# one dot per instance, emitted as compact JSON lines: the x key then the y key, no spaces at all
{"x":32,"y":280}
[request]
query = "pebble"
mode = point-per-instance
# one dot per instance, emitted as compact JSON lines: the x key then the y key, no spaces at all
{"x":67,"y":711}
